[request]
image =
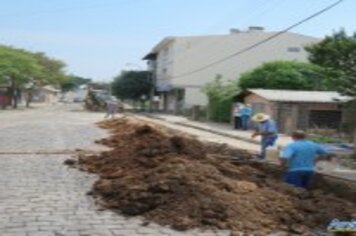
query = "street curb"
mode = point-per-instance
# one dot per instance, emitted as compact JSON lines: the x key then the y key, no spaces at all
{"x":217,"y":132}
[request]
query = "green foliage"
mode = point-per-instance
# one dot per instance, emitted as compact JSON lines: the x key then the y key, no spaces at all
{"x":52,"y":69}
{"x":17,"y":66}
{"x":22,"y":69}
{"x":220,"y":96}
{"x":285,"y":75}
{"x":21,"y":66}
{"x":337,"y":54}
{"x":72,"y":82}
{"x":132,"y":85}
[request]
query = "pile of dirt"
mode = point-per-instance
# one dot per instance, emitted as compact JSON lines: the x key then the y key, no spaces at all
{"x":173,"y":179}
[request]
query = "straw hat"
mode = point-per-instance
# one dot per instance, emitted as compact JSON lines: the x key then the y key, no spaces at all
{"x":260,"y":117}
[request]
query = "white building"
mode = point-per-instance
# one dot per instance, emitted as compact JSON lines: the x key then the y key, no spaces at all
{"x":46,"y":94}
{"x":176,"y":62}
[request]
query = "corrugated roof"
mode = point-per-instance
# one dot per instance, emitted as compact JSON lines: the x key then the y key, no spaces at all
{"x":300,"y":96}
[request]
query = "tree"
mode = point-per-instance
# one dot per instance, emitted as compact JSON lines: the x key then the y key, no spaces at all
{"x":73,"y":82}
{"x":24,"y":69}
{"x":337,"y":54}
{"x":220,"y":95}
{"x":17,"y":68}
{"x":285,"y":75}
{"x":52,"y":72}
{"x":132,"y":85}
{"x":52,"y":69}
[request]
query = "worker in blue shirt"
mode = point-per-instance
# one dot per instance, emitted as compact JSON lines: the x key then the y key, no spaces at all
{"x":268,"y":131}
{"x":237,"y":115}
{"x":246,"y":113}
{"x":299,"y":159}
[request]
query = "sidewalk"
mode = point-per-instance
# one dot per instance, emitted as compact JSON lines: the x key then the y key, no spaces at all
{"x":218,"y":128}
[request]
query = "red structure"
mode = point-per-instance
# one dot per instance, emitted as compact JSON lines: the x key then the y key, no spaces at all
{"x":5,"y":98}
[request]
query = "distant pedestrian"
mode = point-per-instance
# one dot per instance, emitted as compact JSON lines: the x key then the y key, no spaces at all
{"x":237,"y":116}
{"x":299,"y":159}
{"x":111,"y":108}
{"x":267,"y":129}
{"x":246,"y":113}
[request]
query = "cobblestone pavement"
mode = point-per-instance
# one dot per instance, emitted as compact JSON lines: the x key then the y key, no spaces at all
{"x":53,"y":128}
{"x":40,"y":196}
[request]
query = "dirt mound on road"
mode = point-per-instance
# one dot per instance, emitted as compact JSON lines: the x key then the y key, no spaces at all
{"x":173,"y":179}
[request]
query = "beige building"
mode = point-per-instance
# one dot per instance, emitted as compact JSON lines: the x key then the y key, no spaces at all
{"x":46,"y":94}
{"x":177,"y":61}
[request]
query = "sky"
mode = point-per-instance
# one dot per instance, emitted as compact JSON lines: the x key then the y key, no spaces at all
{"x":99,"y":38}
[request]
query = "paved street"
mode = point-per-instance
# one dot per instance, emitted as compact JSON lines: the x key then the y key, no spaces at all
{"x":52,"y":128}
{"x":41,"y":196}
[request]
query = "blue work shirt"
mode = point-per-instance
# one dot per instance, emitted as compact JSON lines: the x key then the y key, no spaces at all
{"x":246,"y":111}
{"x":268,"y":126}
{"x":301,"y":155}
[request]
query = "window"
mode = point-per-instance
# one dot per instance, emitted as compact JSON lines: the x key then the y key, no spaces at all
{"x":293,"y":49}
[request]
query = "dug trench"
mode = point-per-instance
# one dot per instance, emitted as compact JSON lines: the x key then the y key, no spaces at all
{"x":173,"y":179}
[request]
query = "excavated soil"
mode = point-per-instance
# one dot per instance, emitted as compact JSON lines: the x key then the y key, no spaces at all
{"x":173,"y":179}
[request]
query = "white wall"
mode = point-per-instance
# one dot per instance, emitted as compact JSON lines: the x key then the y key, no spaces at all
{"x":191,"y":53}
{"x":164,"y":66}
{"x":194,"y":96}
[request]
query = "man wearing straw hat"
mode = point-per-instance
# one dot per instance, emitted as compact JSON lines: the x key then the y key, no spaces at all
{"x":267,"y":129}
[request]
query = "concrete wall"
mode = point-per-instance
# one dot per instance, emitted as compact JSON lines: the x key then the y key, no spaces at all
{"x":164,"y":64}
{"x":194,"y":96}
{"x":191,"y":53}
{"x":181,"y":55}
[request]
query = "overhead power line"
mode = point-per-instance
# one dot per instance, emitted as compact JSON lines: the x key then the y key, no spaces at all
{"x":255,"y":45}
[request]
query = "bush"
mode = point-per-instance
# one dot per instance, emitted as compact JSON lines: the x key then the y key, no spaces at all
{"x":220,"y":97}
{"x":285,"y":75}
